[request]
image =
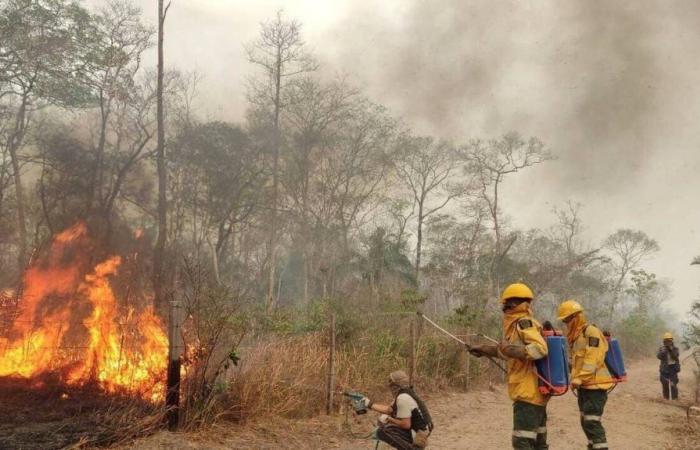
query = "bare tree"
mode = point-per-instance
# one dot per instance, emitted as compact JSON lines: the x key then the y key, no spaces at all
{"x":424,"y":167}
{"x":353,"y":170}
{"x":280,"y":53}
{"x":490,"y":162}
{"x":120,"y":39}
{"x":569,"y":228}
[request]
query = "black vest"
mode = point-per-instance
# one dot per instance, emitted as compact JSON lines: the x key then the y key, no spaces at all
{"x":420,"y":417}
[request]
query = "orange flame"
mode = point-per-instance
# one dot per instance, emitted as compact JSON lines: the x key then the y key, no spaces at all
{"x":122,"y":353}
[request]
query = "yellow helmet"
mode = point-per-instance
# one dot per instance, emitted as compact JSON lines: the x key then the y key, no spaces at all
{"x":668,"y":335}
{"x":569,"y":308}
{"x":516,"y":290}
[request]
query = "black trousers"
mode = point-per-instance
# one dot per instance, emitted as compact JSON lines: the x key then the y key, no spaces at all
{"x":396,"y":437}
{"x":669,"y":385}
{"x":591,"y":404}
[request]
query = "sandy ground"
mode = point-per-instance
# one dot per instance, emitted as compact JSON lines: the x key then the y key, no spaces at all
{"x":636,"y":418}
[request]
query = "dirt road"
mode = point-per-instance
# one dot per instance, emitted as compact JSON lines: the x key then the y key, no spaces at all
{"x":636,"y":418}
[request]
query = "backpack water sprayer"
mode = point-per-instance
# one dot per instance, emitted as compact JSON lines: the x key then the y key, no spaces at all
{"x":613,"y":359}
{"x":553,"y":370}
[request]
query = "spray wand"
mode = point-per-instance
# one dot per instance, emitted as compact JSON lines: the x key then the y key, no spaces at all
{"x":469,"y":347}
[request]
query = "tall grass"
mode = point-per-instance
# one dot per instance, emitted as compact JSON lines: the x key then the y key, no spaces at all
{"x":286,"y":376}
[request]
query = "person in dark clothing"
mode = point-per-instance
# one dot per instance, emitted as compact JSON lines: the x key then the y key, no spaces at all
{"x":669,"y":367}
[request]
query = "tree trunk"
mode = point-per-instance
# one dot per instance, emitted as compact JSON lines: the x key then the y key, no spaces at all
{"x":15,"y":143}
{"x":173,"y":377}
{"x":419,"y":242}
{"x":158,"y":254}
{"x":275,"y":185}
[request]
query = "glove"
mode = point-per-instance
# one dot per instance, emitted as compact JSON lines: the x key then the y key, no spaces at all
{"x":484,"y":350}
{"x":476,"y":351}
{"x":575,"y":383}
{"x":513,"y":351}
{"x":367,"y":402}
{"x":383,"y":419}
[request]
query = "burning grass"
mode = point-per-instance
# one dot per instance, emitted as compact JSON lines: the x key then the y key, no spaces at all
{"x":79,"y":365}
{"x":70,"y":322}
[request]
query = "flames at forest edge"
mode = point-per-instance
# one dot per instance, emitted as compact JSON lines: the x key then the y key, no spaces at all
{"x":70,"y":324}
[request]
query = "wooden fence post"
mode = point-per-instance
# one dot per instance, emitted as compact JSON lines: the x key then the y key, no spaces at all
{"x":469,"y":364}
{"x":412,"y":362}
{"x":172,"y":396}
{"x":330,"y":382}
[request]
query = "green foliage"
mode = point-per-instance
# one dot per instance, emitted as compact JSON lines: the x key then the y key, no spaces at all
{"x":43,"y":49}
{"x":411,"y":299}
{"x":639,"y":333}
{"x":387,"y":258}
{"x":691,"y":328}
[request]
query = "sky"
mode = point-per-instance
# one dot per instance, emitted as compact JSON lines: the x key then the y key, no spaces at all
{"x":609,"y":87}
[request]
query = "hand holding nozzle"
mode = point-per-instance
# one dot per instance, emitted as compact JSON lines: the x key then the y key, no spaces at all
{"x":359,"y":402}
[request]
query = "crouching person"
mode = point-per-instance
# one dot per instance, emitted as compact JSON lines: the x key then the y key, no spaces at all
{"x":405,"y":424}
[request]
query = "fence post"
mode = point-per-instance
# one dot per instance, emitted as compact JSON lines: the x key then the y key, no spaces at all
{"x":330,"y":381}
{"x":412,"y":356}
{"x":467,"y":376}
{"x":172,"y":396}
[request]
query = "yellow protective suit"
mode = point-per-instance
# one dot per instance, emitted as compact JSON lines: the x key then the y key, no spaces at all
{"x":588,"y":348}
{"x":520,"y":328}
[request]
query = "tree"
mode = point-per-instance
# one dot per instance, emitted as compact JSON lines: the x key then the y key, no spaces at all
{"x":220,"y":185}
{"x":42,"y":57}
{"x":424,"y":167}
{"x":691,"y":333}
{"x":457,"y":269}
{"x":336,"y":158}
{"x":280,"y":53}
{"x":628,"y":249}
{"x":124,"y":104}
{"x":315,"y":112}
{"x":489,"y":163}
{"x":569,"y":228}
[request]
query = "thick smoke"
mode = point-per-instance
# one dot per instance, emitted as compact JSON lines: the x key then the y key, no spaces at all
{"x":584,"y":76}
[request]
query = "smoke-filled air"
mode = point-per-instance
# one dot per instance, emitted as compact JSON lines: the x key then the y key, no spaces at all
{"x":349,"y":224}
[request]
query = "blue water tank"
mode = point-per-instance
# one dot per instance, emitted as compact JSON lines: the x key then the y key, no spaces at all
{"x":614,"y":360}
{"x":555,"y":367}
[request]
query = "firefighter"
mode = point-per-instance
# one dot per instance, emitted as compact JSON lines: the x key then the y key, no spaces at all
{"x":590,"y":377}
{"x":670,"y":365}
{"x":405,"y":424}
{"x":523,"y":345}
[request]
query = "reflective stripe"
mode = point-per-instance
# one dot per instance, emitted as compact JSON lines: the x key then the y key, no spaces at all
{"x":600,"y":445}
{"x":591,"y":418}
{"x":525,"y":434}
{"x":542,"y":430}
{"x":588,"y":367}
{"x":534,"y":351}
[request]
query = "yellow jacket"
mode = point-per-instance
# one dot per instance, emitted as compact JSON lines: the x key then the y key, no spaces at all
{"x":588,"y":349}
{"x":520,"y":328}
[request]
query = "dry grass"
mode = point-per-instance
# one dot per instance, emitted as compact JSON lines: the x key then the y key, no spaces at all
{"x":287,"y":376}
